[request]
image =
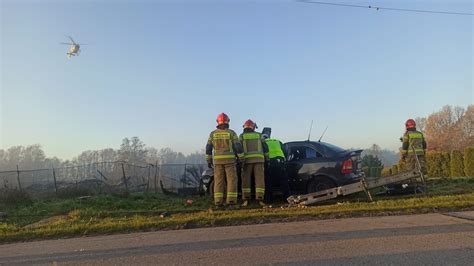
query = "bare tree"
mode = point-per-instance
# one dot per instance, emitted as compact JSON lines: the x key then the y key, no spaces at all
{"x":420,"y":123}
{"x":449,"y":129}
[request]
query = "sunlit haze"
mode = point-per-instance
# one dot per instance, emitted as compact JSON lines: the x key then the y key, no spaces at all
{"x":163,"y":70}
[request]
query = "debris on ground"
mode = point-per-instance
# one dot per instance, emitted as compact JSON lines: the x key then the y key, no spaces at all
{"x":165,"y":214}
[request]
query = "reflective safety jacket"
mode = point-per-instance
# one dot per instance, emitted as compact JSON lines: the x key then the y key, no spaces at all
{"x":223,"y":146}
{"x":413,"y":141}
{"x":275,"y":148}
{"x":255,"y":148}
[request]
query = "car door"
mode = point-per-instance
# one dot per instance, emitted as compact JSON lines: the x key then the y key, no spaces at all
{"x":304,"y":160}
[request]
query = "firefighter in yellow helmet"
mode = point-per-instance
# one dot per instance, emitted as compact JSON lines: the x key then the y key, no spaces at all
{"x":255,"y":152}
{"x":413,"y":142}
{"x":222,"y":149}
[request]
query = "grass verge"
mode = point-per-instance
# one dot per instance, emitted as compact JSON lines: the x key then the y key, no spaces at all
{"x":109,"y":214}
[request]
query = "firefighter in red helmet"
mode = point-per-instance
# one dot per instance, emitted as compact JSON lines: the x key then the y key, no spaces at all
{"x":256,"y":153}
{"x":413,"y":142}
{"x":222,"y":149}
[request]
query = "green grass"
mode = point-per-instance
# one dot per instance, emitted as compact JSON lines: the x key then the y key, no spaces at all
{"x":140,"y":212}
{"x":103,"y":205}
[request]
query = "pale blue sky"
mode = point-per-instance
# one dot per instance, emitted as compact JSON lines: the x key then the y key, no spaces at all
{"x":163,"y":70}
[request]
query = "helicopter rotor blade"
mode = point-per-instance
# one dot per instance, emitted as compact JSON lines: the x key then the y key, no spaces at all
{"x":71,"y":39}
{"x":66,"y":43}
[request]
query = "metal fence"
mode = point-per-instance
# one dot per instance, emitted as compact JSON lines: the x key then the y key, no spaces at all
{"x":105,"y":177}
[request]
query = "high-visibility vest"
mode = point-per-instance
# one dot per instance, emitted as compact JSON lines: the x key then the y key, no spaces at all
{"x":415,"y":142}
{"x":274,"y":148}
{"x":223,"y":148}
{"x":253,"y":150}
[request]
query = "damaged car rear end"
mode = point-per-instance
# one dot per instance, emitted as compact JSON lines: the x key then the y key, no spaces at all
{"x":315,"y":166}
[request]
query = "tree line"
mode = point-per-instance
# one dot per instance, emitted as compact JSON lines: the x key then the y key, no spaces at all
{"x":451,"y":128}
{"x":132,"y":150}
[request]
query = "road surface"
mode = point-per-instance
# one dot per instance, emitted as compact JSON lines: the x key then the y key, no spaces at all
{"x":429,"y":239}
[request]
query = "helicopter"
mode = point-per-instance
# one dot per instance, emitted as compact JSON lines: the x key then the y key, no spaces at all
{"x":75,"y":48}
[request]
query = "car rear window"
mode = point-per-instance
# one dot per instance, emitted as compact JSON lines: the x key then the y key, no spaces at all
{"x":330,"y":149}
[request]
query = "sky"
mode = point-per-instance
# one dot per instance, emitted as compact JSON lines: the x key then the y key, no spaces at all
{"x":163,"y":70}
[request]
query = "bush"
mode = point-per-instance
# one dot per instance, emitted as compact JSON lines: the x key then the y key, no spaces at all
{"x":386,"y":171}
{"x":376,"y":171}
{"x":371,"y":165}
{"x":445,"y":164}
{"x":365,"y":169}
{"x":469,"y":161}
{"x":394,"y":169}
{"x":438,"y":164}
{"x":457,"y":165}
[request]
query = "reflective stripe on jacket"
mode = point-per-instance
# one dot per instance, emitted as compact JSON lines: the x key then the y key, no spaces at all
{"x":223,"y":146}
{"x":253,"y":147}
{"x":414,"y":141}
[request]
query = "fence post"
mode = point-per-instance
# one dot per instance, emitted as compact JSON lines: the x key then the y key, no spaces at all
{"x":148,"y":179}
{"x":55,"y":184}
{"x":124,"y":179}
{"x":184,"y":176}
{"x":156,"y":171}
{"x":18,"y":177}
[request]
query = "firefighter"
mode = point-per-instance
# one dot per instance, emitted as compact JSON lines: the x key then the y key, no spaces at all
{"x":413,"y":142}
{"x":276,"y":168}
{"x":223,"y":146}
{"x":255,"y":153}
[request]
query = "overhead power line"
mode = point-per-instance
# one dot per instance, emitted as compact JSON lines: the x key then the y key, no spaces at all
{"x":386,"y":8}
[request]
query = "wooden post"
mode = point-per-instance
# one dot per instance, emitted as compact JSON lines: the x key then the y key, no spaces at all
{"x":366,"y":189}
{"x":55,"y":184}
{"x":124,"y":179}
{"x":18,"y":177}
{"x":156,"y":171}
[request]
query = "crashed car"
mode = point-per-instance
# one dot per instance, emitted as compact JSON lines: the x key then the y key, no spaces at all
{"x":311,"y":166}
{"x":314,"y":166}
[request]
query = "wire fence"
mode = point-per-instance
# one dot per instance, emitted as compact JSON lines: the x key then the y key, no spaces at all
{"x":104,"y":177}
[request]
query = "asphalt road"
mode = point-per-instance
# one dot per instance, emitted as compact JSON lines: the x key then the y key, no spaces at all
{"x":430,"y":239}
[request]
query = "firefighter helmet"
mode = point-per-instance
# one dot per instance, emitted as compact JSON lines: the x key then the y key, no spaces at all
{"x":410,"y":123}
{"x":250,"y":124}
{"x":222,"y":118}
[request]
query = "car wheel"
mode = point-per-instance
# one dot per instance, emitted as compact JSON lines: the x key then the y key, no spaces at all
{"x":319,"y":184}
{"x":210,"y":188}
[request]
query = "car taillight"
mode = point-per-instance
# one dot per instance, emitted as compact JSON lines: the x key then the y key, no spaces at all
{"x":347,"y":166}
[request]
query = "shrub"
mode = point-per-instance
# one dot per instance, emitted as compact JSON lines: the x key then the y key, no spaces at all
{"x":365,"y":169}
{"x":386,"y":171}
{"x":438,"y":164}
{"x":469,"y":161}
{"x":371,"y":165}
{"x":457,"y":164}
{"x":445,"y":164}
{"x":376,"y":171}
{"x":394,"y":169}
{"x":433,"y":164}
